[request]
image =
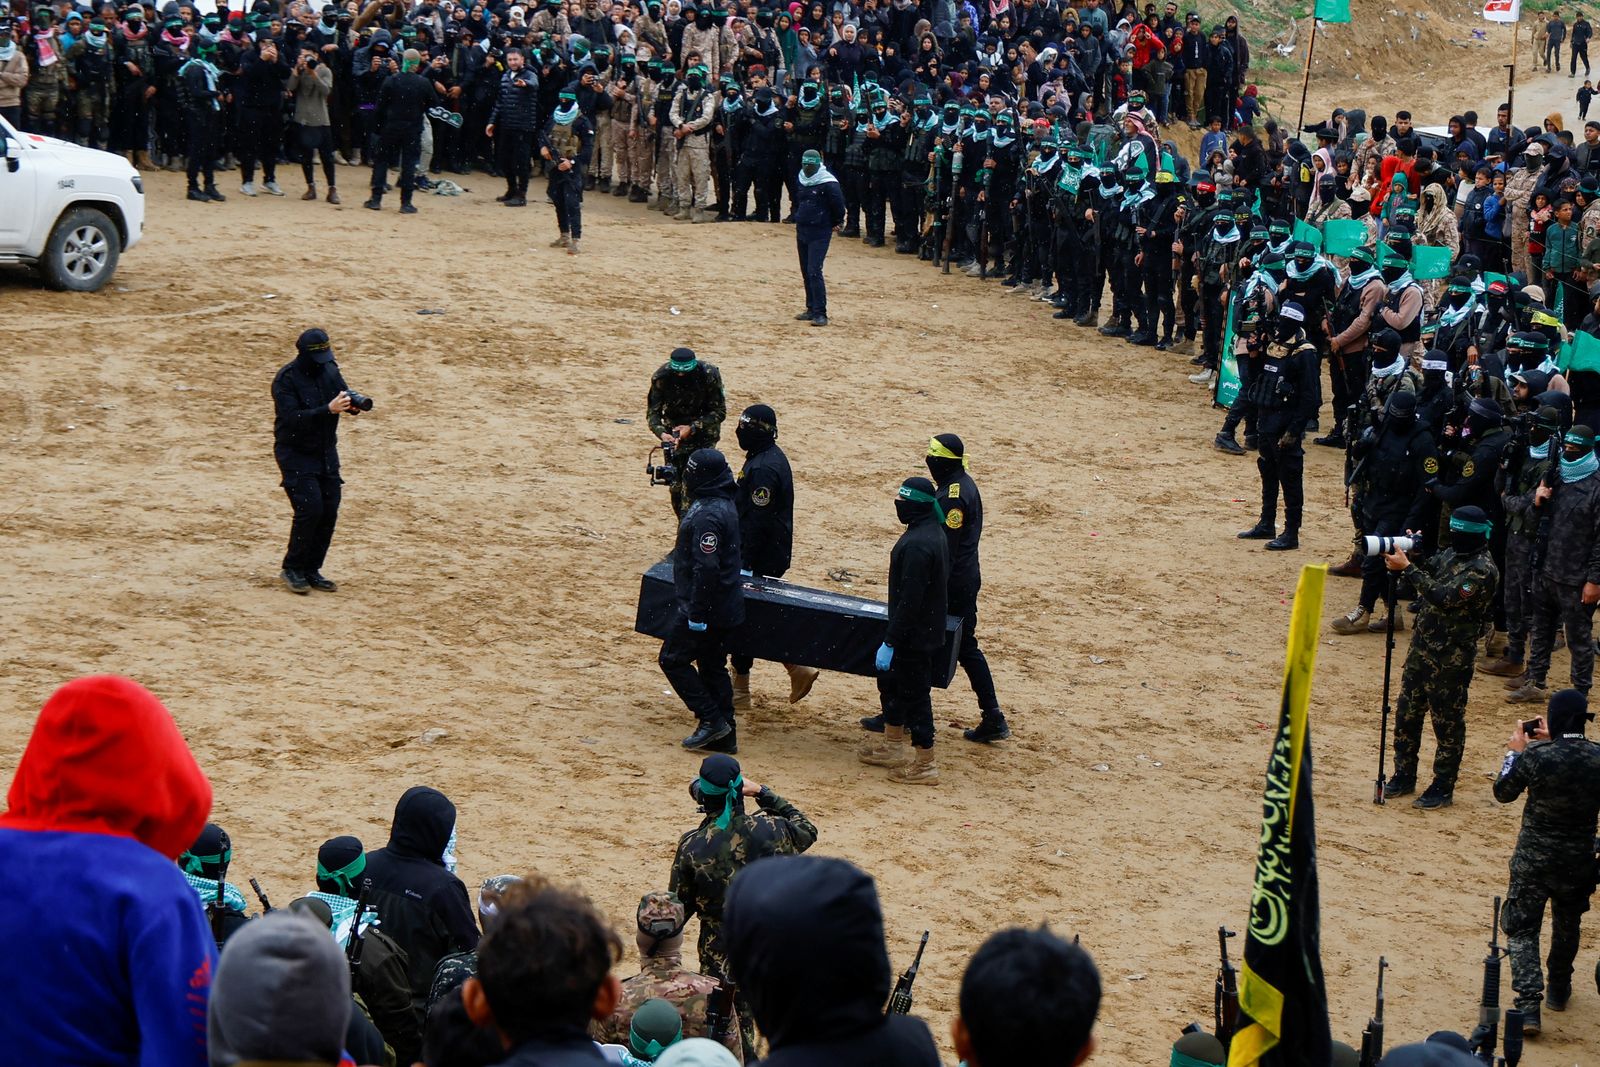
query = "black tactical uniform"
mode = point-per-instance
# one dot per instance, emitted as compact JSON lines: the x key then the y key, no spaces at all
{"x":305,"y":443}
{"x":1284,"y":395}
{"x":705,"y":573}
{"x":919,"y":578}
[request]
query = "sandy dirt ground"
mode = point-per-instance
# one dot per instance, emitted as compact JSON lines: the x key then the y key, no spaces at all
{"x":496,"y":521}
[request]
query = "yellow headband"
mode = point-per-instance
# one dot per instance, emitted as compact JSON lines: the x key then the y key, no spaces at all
{"x":936,"y":448}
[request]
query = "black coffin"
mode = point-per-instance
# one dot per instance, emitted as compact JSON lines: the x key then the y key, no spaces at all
{"x":786,"y":623}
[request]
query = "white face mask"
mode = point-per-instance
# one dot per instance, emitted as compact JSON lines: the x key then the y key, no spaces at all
{"x":449,"y":857}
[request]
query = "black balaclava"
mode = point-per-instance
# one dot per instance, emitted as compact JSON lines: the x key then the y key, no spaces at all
{"x":1483,"y":415}
{"x":210,"y":854}
{"x":1401,"y":410}
{"x":1469,"y":530}
{"x":717,"y":788}
{"x":757,"y":429}
{"x":705,"y":470}
{"x":1567,"y":713}
{"x":340,"y":864}
{"x":915,"y":500}
{"x":943,"y":468}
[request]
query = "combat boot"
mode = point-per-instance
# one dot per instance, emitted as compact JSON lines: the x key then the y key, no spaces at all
{"x":1531,"y":692}
{"x":1350,"y":568}
{"x":1378,"y":625}
{"x":638,"y":195}
{"x":141,"y":160}
{"x":1089,"y":317}
{"x":889,"y":750}
{"x":873,"y":724}
{"x":1557,"y":994}
{"x":920,"y":771}
{"x":1225,"y":442}
{"x":708,"y":731}
{"x":1261,"y":531}
{"x":1354,"y":622}
{"x":1517,"y":681}
{"x":1400,"y":784}
{"x":1503,"y":667}
{"x":1435,"y":796}
{"x":1530,"y":1022}
{"x":992,"y":727}
{"x":728,"y":744}
{"x":801,"y":679}
{"x":1286,"y":541}
{"x":741,"y":692}
{"x":1495,"y":642}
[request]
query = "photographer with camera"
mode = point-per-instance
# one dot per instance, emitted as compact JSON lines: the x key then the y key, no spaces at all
{"x":308,"y":395}
{"x":1456,"y":588}
{"x":1393,"y":461}
{"x":312,"y":84}
{"x":685,"y":410}
{"x":1554,"y":861}
{"x":1566,"y":581}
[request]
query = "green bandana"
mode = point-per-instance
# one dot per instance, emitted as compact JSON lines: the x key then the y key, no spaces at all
{"x":917,"y":496}
{"x":1460,"y":525}
{"x":683,"y":364}
{"x":729,"y":791}
{"x":344,"y":877}
{"x":1180,"y":1059}
{"x":193,"y":864}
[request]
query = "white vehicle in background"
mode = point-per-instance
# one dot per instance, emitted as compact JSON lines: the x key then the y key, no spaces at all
{"x":69,"y":212}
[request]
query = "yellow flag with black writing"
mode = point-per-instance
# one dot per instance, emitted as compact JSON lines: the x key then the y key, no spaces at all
{"x":1280,"y":984}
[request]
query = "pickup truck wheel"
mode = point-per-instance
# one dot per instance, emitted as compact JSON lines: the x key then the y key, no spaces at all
{"x":82,"y":251}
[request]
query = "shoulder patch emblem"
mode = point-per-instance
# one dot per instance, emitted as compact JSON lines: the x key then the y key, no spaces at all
{"x":1468,"y":588}
{"x":708,"y":543}
{"x":761,"y":497}
{"x":955,"y":490}
{"x":952,"y":518}
{"x":1469,"y":470}
{"x":1430,"y":465}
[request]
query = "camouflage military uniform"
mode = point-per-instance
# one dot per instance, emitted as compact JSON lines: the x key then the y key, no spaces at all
{"x":692,"y":398}
{"x":1522,"y":528}
{"x":665,"y":977}
{"x":1554,"y":860}
{"x":1571,"y":559}
{"x":452,"y":973}
{"x":1457,"y":594}
{"x":47,"y":80}
{"x":707,"y":859}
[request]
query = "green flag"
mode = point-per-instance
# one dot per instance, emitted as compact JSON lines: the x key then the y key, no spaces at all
{"x":1581,"y":353}
{"x":1228,"y":382}
{"x":1333,"y":10}
{"x":1340,"y":237}
{"x":1304,"y":231}
{"x":1429,"y":262}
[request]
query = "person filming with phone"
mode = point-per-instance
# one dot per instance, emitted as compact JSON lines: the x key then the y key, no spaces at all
{"x":1551,"y":760}
{"x":309,"y":394}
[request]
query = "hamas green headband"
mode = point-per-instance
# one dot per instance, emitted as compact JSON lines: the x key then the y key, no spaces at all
{"x":344,"y":877}
{"x":917,"y":496}
{"x":1460,"y":525}
{"x":728,"y":792}
{"x":681,"y":365}
{"x":193,"y":864}
{"x":1574,"y":439}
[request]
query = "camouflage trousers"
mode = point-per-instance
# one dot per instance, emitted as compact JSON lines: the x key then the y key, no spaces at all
{"x":1521,"y":917}
{"x":714,"y":961}
{"x":42,"y":102}
{"x":622,"y":152}
{"x":600,"y":153}
{"x":667,"y":168}
{"x":1555,"y":603}
{"x":693,"y":183}
{"x":1433,"y":684}
{"x":1518,"y":591}
{"x":642,"y":157}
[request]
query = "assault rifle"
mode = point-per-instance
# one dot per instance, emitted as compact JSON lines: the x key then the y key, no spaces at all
{"x":950,"y":208}
{"x":1483,"y":1039}
{"x":1372,"y":1036}
{"x":218,"y":907}
{"x":353,"y":948}
{"x":261,"y":895}
{"x":900,"y":999}
{"x":1225,"y":1006}
{"x":719,"y":1010}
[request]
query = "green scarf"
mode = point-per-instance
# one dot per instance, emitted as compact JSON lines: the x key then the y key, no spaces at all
{"x":917,"y":496}
{"x":728,"y":792}
{"x":344,"y":877}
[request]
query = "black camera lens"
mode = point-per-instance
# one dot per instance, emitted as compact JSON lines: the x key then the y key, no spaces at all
{"x":359,"y":402}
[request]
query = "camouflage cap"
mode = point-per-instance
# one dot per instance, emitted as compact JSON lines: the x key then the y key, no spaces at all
{"x":661,"y":915}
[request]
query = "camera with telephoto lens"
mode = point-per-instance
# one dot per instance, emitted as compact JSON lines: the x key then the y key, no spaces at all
{"x":665,"y":472}
{"x":359,"y":402}
{"x":1382,"y":545}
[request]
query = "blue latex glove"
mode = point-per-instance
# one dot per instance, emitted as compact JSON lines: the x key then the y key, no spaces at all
{"x":885,"y":657}
{"x":747,"y":574}
{"x":697,"y":627}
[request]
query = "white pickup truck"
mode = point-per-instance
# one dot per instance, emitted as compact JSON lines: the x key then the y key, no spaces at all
{"x":68,"y":212}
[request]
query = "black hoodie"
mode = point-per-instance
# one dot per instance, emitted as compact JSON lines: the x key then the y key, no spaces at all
{"x":707,"y":559}
{"x":805,"y":936}
{"x":305,"y":433}
{"x":423,"y":906}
